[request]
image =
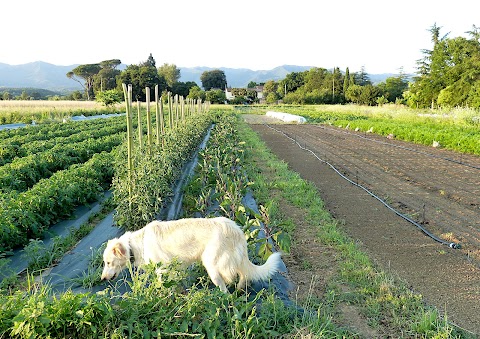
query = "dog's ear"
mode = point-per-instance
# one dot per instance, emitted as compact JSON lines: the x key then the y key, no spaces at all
{"x":119,"y":250}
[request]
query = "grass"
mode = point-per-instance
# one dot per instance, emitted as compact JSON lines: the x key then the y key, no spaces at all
{"x":27,"y":111}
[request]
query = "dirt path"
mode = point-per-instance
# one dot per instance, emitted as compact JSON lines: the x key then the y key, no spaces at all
{"x":419,"y":181}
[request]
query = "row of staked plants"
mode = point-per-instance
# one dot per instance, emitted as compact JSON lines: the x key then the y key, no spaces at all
{"x":144,"y":183}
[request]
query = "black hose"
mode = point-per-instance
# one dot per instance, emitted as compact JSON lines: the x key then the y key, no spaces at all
{"x":449,"y":244}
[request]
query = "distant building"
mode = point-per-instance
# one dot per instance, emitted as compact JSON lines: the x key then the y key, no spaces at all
{"x":229,"y":93}
{"x":259,"y":90}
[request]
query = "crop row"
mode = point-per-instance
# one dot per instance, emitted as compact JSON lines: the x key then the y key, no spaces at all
{"x":29,"y":214}
{"x":21,"y":147}
{"x":22,"y":173}
{"x":49,"y":131}
{"x":140,"y":194}
{"x":220,"y":186}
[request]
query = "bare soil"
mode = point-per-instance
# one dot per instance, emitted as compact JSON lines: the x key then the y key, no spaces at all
{"x":437,"y":188}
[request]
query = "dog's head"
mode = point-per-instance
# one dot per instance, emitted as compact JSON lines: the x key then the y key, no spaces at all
{"x":115,"y":258}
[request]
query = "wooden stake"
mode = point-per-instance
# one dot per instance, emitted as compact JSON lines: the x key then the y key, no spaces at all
{"x":159,"y":117}
{"x":140,"y":132}
{"x":149,"y":118}
{"x":128,"y":103}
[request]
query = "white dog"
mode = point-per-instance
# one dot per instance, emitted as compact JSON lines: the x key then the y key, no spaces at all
{"x":218,"y":243}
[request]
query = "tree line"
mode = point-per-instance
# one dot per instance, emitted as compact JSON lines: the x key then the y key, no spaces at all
{"x":448,"y":75}
{"x":103,"y":81}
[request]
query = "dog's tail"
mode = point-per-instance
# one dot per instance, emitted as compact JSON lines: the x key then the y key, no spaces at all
{"x":252,"y":272}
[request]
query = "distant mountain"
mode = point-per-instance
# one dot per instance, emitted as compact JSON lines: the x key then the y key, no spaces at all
{"x":240,"y":77}
{"x":38,"y":74}
{"x":43,"y":75}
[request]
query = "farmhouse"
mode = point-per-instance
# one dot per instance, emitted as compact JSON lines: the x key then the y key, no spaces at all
{"x":253,"y":94}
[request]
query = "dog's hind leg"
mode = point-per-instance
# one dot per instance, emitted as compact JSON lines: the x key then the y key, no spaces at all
{"x":214,"y":274}
{"x":217,"y":279}
{"x":242,"y":283}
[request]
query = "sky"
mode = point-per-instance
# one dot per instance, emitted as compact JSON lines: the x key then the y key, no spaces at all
{"x":381,"y":36}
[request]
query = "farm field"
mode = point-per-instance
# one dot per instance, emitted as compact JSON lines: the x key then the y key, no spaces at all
{"x":439,"y":189}
{"x":316,"y":265}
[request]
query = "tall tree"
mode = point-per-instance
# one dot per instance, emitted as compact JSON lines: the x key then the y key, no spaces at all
{"x":362,"y":78}
{"x":150,"y":62}
{"x":213,"y":79}
{"x":140,"y":76}
{"x":449,"y":74}
{"x":106,"y":79}
{"x":346,"y":80}
{"x":170,"y":73}
{"x":87,"y":73}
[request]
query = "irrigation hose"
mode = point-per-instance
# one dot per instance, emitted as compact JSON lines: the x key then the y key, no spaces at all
{"x":434,"y":237}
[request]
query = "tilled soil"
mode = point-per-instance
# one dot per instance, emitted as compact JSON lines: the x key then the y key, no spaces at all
{"x":437,"y":188}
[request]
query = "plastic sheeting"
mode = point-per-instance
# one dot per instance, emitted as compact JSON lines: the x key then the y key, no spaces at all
{"x":286,"y":117}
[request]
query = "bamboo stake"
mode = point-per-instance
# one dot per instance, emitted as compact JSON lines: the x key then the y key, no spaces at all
{"x":140,"y":132}
{"x":176,"y":110}
{"x":149,"y":118}
{"x":182,"y":108}
{"x":159,"y":118}
{"x":170,"y":109}
{"x":127,"y":92}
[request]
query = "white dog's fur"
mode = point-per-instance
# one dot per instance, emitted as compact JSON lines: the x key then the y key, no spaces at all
{"x":218,"y":243}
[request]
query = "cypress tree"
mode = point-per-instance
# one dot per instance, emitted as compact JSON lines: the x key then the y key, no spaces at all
{"x":346,"y":80}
